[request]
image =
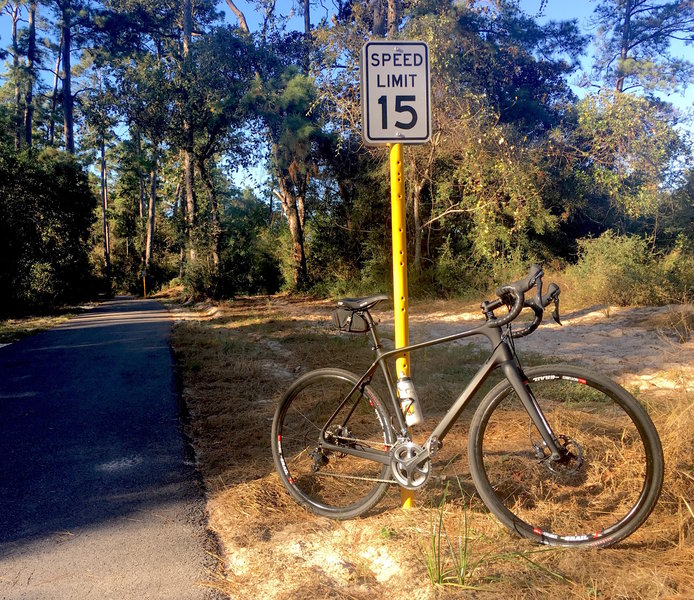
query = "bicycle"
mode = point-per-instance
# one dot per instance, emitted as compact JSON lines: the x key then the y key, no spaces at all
{"x":558,"y":454}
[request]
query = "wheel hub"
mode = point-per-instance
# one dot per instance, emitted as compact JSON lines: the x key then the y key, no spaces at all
{"x":571,"y":458}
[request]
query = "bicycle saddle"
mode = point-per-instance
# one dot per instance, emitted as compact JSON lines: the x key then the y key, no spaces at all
{"x":361,"y":303}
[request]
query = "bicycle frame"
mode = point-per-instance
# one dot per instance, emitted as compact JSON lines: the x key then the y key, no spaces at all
{"x":501,"y":357}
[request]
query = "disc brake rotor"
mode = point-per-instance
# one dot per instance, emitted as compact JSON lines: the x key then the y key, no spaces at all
{"x":571,"y":459}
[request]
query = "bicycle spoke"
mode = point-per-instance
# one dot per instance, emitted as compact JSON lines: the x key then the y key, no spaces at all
{"x":330,"y":480}
{"x":604,"y":472}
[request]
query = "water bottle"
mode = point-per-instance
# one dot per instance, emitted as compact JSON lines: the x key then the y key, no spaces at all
{"x":409,"y":402}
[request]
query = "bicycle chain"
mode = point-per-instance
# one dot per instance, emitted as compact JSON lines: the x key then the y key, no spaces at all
{"x":340,"y":476}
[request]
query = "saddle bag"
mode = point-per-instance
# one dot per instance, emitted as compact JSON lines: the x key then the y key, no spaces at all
{"x":349,"y":321}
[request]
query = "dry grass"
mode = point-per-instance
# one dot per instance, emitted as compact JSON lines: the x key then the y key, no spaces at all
{"x":12,"y":330}
{"x":236,"y":359}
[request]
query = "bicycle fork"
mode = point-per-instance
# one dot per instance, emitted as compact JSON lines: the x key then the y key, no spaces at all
{"x":520,"y":386}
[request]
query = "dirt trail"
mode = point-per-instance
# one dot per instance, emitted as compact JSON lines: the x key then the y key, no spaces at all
{"x":645,"y":348}
{"x":638,"y":346}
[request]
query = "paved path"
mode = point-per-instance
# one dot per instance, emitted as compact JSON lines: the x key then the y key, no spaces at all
{"x":97,"y":499}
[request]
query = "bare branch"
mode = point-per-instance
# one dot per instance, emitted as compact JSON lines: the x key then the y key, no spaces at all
{"x":243,"y":25}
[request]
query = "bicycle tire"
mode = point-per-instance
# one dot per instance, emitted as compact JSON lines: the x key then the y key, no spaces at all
{"x":608,"y":486}
{"x":339,"y":486}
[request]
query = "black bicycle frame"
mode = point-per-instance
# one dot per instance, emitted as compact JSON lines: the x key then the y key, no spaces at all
{"x":501,"y":357}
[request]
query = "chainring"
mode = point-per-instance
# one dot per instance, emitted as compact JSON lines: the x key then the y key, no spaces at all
{"x":408,"y":471}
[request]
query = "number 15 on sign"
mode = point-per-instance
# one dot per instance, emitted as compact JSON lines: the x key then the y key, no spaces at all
{"x":395,"y":94}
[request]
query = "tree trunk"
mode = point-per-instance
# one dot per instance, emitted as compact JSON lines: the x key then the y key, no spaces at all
{"x":177,"y":199}
{"x":379,"y":18}
{"x":307,"y":35}
{"x":190,"y":202}
{"x":624,"y":51}
{"x":31,"y":75}
{"x":15,"y":75}
{"x":296,"y":230}
{"x":347,"y":203}
{"x":239,"y":16}
{"x":393,"y":18}
{"x":68,"y":100}
{"x":307,"y":17}
{"x":214,"y":210}
{"x":292,"y":193}
{"x":54,"y":95}
{"x":140,"y":174}
{"x":180,"y":202}
{"x":104,"y":210}
{"x":152,"y":203}
{"x":417,"y":213}
{"x":189,"y":174}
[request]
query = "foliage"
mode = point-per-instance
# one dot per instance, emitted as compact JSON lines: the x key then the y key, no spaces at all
{"x":624,"y":270}
{"x":628,"y":149}
{"x":250,"y":258}
{"x":44,"y":231}
{"x":518,"y":169}
{"x":633,"y":43}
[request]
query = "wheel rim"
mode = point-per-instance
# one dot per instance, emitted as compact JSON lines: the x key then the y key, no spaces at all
{"x":327,"y":480}
{"x":585,"y":498}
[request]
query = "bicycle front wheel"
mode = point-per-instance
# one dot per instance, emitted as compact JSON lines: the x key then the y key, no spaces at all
{"x":611,"y":474}
{"x":329,"y":483}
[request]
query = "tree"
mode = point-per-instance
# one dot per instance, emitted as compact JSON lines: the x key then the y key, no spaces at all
{"x":188,"y":133}
{"x":67,"y":10}
{"x":626,"y":149}
{"x":44,"y":196}
{"x":634,"y":44}
{"x":30,"y":74}
{"x":13,"y":10}
{"x":223,"y":75}
{"x":99,"y":115}
{"x":285,"y":105}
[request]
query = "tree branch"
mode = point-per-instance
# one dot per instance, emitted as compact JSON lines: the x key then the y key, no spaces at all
{"x":239,"y":16}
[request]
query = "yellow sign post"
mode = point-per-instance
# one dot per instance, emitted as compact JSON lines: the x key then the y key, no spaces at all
{"x":397,"y":207}
{"x":392,"y":117}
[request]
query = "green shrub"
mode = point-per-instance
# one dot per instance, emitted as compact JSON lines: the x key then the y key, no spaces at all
{"x":454,"y":275}
{"x":253,"y":257}
{"x":47,"y":210}
{"x":619,"y":270}
{"x":679,"y":270}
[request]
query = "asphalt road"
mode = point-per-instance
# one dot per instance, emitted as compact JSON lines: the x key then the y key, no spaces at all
{"x":98,"y":495}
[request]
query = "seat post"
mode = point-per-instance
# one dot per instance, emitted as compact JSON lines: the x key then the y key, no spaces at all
{"x":372,"y":330}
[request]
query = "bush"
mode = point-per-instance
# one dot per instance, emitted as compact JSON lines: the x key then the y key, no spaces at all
{"x":251,"y":254}
{"x":455,"y":275}
{"x":47,"y":210}
{"x":679,"y":270}
{"x":618,"y":270}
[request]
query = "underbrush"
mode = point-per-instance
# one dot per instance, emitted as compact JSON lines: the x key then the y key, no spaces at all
{"x":624,"y":271}
{"x":236,"y":363}
{"x":612,"y":269}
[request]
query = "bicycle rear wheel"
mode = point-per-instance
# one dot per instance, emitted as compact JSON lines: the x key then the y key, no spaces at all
{"x":331,"y":484}
{"x":609,"y":480}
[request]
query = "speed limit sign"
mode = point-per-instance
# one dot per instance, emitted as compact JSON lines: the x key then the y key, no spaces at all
{"x":395,"y":92}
